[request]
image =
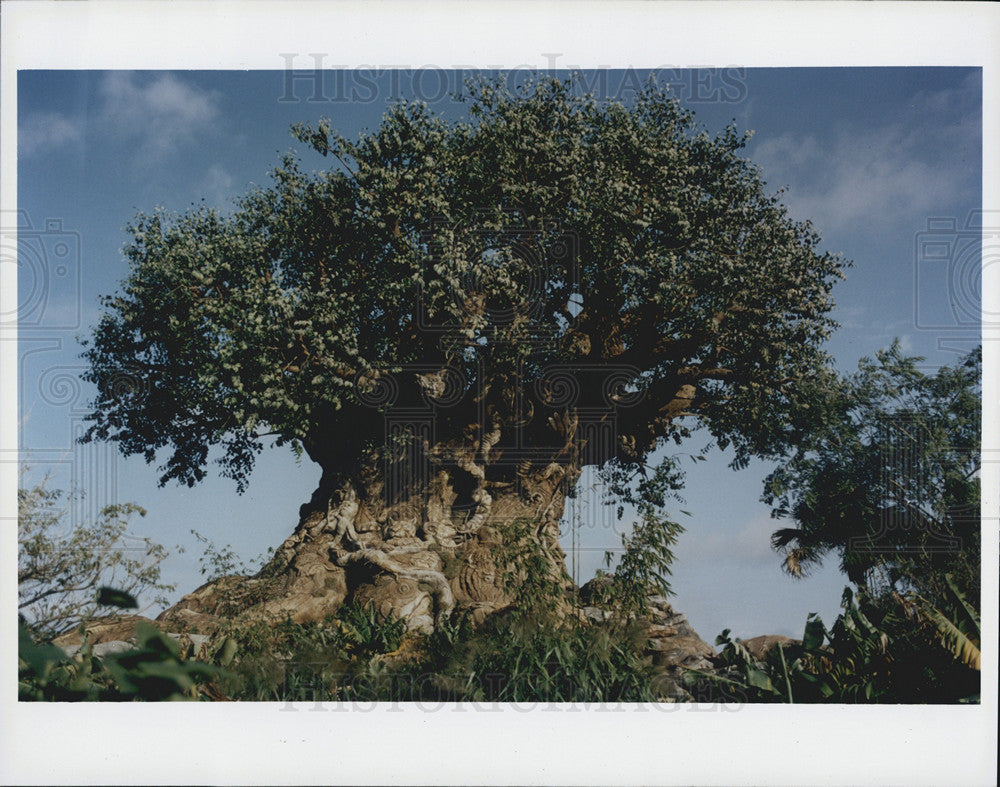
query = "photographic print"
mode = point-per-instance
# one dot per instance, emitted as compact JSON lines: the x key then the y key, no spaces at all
{"x":372,"y":396}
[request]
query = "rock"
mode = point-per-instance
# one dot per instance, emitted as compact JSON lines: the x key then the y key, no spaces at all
{"x":595,"y":614}
{"x":759,"y":647}
{"x":661,"y":602}
{"x":102,"y":649}
{"x":187,"y":619}
{"x":116,"y":634}
{"x":680,"y":651}
{"x":593,"y":591}
{"x":303,"y":607}
{"x":672,"y":642}
{"x":196,"y":639}
{"x":674,"y":647}
{"x":109,"y":629}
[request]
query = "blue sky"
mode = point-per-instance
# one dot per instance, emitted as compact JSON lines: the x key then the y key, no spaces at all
{"x":871,"y":155}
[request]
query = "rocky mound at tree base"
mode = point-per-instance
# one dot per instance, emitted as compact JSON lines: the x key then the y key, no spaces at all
{"x":670,"y":643}
{"x":116,"y":634}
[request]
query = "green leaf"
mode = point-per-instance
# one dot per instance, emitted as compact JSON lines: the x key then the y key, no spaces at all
{"x":110,"y":597}
{"x":228,"y":651}
{"x":760,"y":680}
{"x":814,"y":634}
{"x":38,"y":659}
{"x":957,"y":641}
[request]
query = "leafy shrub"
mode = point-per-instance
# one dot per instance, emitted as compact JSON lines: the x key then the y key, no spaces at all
{"x":645,"y":562}
{"x":525,"y":566}
{"x":156,"y":669}
{"x":279,"y":660}
{"x":60,"y":569}
{"x":366,"y":633}
{"x":519,"y":659}
{"x":888,"y":649}
{"x":46,"y":673}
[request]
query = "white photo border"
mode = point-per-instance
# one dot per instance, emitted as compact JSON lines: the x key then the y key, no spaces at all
{"x":261,"y":743}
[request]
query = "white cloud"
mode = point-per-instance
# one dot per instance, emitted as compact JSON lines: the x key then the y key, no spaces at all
{"x":159,"y":115}
{"x":44,"y":130}
{"x":217,"y":186}
{"x":750,"y":545}
{"x":860,"y":178}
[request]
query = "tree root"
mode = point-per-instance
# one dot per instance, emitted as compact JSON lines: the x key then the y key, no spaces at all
{"x":440,"y":587}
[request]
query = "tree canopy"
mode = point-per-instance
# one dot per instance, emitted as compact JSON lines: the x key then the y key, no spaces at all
{"x":889,"y":478}
{"x":549,"y":253}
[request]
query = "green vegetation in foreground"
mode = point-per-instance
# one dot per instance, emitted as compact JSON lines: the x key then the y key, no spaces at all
{"x":885,"y":650}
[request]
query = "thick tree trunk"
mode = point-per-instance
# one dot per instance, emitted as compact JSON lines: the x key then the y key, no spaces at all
{"x":421,"y":553}
{"x":418,"y":534}
{"x":416,"y":525}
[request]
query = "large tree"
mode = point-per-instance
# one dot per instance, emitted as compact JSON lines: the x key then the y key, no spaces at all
{"x":456,"y":317}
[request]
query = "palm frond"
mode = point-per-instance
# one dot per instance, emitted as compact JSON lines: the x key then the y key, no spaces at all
{"x":784,"y":536}
{"x":957,"y":641}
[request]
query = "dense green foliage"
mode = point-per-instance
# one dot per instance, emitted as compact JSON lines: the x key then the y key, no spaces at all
{"x":889,"y":478}
{"x":879,"y":650}
{"x":512,"y":658}
{"x":156,"y":669}
{"x":525,"y":660}
{"x":508,"y":660}
{"x":644,"y":563}
{"x":545,"y":233}
{"x":874,"y":652}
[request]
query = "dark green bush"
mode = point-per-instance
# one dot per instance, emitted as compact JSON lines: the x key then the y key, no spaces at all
{"x":887,"y":649}
{"x":156,"y":669}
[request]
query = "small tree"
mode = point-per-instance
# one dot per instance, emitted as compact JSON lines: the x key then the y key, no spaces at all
{"x":64,"y":575}
{"x":889,"y":479}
